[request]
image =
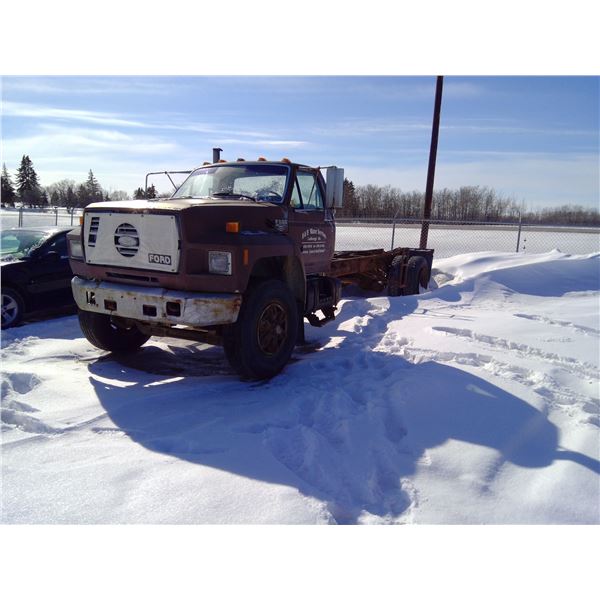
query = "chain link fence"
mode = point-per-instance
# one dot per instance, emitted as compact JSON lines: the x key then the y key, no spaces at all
{"x":31,"y":217}
{"x":447,"y":238}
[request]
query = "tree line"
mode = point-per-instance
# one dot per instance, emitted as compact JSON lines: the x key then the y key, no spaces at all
{"x":67,"y":193}
{"x":468,"y":203}
{"x":465,"y":204}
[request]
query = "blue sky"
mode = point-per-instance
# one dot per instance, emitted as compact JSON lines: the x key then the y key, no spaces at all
{"x":535,"y":139}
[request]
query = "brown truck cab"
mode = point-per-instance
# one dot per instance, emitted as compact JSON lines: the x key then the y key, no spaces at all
{"x":239,"y":255}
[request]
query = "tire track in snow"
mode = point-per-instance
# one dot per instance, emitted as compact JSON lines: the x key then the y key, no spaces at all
{"x":543,"y":384}
{"x":564,"y":324}
{"x":569,"y":364}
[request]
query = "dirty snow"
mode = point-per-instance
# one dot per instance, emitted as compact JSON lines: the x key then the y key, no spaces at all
{"x":475,"y":402}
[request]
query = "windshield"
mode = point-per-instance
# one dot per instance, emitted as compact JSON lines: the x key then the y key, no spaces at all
{"x":263,"y":183}
{"x":16,"y":244}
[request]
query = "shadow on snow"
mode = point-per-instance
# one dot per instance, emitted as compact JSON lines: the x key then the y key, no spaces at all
{"x":346,"y":425}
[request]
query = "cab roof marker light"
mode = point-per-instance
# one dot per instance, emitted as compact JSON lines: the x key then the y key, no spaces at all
{"x":262,"y":159}
{"x":222,"y":160}
{"x":286,"y":160}
{"x":241,"y":160}
{"x":206,"y":163}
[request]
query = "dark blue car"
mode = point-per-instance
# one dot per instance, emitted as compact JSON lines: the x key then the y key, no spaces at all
{"x":35,"y":271}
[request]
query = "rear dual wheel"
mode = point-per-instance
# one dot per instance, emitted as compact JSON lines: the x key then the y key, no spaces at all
{"x":417,"y":276}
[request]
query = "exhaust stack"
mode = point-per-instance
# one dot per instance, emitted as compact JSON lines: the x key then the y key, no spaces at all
{"x":217,"y":154}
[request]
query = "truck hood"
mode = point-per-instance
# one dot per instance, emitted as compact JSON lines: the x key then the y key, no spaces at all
{"x":173,"y":205}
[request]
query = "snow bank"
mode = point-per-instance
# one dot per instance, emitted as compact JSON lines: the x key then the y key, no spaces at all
{"x":476,"y":402}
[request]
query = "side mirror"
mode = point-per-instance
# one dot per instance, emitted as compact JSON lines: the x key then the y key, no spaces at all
{"x":334,"y":187}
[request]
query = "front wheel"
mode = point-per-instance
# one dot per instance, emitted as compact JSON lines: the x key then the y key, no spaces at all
{"x":261,"y":342}
{"x":101,"y":332}
{"x":13,"y":307}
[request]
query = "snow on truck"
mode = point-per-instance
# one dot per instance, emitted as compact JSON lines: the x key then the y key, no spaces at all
{"x":239,"y":256}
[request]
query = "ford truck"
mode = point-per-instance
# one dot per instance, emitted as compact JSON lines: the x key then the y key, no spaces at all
{"x":241,"y":255}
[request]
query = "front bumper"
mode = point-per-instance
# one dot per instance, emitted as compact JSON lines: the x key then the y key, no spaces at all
{"x":156,"y":305}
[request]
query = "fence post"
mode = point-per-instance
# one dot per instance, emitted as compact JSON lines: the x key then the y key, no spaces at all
{"x":519,"y":233}
{"x":56,"y":217}
{"x":20,"y":217}
{"x":72,"y":218}
{"x":394,"y":227}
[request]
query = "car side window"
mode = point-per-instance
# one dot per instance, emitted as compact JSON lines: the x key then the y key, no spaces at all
{"x":311,"y":193}
{"x":59,"y":245}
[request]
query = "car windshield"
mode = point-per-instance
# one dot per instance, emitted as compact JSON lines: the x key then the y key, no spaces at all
{"x":263,"y":183}
{"x":17,"y":243}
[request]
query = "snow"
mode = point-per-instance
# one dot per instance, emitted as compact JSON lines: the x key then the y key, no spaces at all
{"x":475,"y":402}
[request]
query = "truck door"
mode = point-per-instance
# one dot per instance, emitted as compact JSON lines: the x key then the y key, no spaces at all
{"x":310,"y":224}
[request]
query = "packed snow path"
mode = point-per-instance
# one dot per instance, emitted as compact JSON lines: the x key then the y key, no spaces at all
{"x":476,"y":402}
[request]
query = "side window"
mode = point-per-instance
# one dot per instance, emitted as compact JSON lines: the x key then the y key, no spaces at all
{"x":59,"y":245}
{"x":311,"y":193}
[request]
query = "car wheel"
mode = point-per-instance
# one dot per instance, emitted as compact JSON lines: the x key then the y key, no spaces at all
{"x":13,"y":307}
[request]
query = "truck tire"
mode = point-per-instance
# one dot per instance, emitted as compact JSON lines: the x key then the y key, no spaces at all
{"x":261,"y":342}
{"x":417,"y":275}
{"x":393,"y":280}
{"x":101,"y":332}
{"x":13,"y":307}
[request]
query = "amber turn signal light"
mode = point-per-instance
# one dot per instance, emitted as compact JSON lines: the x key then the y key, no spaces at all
{"x":81,"y":221}
{"x":232,"y":227}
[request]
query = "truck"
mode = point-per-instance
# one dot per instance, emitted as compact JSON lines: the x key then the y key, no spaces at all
{"x":241,"y":255}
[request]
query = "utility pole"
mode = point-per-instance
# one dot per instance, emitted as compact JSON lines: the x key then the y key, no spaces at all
{"x":432,"y":157}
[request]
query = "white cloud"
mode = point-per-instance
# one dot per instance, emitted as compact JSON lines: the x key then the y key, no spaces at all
{"x":18,"y":109}
{"x":55,"y":143}
{"x":101,"y":118}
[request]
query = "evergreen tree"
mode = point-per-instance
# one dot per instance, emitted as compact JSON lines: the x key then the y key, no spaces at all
{"x":93,"y":189}
{"x":70,"y":199}
{"x":139,"y":194}
{"x":28,"y":185}
{"x":82,"y":195}
{"x":350,"y":202}
{"x":43,"y":199}
{"x":8,"y":191}
{"x":55,"y":198}
{"x":151,"y":192}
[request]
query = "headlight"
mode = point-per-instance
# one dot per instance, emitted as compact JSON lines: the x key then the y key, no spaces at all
{"x":219,"y":262}
{"x":76,"y":249}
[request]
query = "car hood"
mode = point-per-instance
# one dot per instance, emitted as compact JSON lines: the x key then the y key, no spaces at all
{"x":7,"y":261}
